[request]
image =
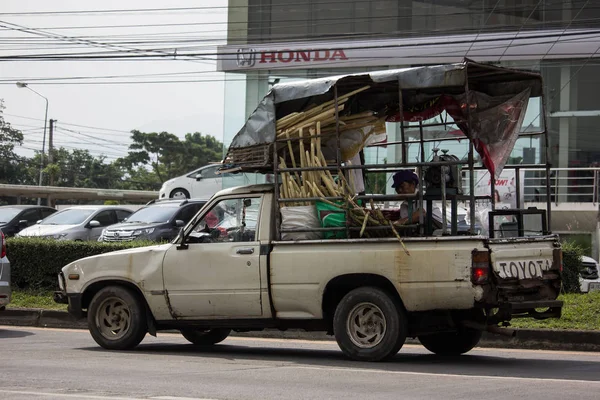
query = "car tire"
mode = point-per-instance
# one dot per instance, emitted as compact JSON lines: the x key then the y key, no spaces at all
{"x":205,"y":337}
{"x":179,"y":193}
{"x":369,"y":325}
{"x":117,"y":318}
{"x":451,"y":343}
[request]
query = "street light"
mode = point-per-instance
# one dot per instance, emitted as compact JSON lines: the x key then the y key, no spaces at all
{"x":26,"y":86}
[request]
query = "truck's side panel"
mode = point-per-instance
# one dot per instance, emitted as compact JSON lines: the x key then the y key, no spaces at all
{"x":436,"y":274}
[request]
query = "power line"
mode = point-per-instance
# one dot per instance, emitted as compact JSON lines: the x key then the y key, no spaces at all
{"x":92,"y":43}
{"x":287,"y":6}
{"x":103,"y":56}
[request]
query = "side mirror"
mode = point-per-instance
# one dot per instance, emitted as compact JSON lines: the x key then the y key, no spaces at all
{"x":23,"y":223}
{"x":247,"y":202}
{"x":199,"y":176}
{"x":38,"y":221}
{"x":94,"y":224}
{"x":179,"y":223}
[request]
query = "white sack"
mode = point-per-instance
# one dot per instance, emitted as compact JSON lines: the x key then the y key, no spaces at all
{"x":300,"y":217}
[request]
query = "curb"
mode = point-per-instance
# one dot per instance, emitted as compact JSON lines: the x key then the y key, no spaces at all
{"x":535,"y":339}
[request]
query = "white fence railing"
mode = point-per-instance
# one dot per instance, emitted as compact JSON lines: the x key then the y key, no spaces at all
{"x":567,"y":185}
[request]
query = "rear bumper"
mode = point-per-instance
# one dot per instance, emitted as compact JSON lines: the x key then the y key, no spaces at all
{"x":5,"y":293}
{"x":5,"y":289}
{"x":542,"y":309}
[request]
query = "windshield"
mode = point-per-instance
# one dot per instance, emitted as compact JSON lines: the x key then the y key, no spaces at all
{"x":150,"y":215}
{"x":73,"y":216}
{"x":6,"y":214}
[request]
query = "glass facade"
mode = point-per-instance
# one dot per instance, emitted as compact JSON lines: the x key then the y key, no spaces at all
{"x":571,"y":85}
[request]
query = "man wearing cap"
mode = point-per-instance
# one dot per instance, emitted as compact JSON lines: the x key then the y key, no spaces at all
{"x":406,"y":182}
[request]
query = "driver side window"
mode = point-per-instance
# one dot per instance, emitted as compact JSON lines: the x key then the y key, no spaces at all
{"x":230,"y":220}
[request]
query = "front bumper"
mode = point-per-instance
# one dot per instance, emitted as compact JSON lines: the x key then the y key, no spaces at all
{"x":74,"y":300}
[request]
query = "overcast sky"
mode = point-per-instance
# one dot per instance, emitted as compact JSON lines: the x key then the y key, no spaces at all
{"x":178,"y":108}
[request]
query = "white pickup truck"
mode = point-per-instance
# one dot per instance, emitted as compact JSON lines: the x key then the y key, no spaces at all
{"x":370,"y":294}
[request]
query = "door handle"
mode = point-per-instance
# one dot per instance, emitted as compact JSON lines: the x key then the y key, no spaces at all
{"x":245,"y":251}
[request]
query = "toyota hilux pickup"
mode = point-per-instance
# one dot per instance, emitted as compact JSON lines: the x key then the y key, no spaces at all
{"x":226,"y":272}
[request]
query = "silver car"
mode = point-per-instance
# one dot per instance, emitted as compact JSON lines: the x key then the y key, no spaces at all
{"x":5,"y":291}
{"x":77,"y":223}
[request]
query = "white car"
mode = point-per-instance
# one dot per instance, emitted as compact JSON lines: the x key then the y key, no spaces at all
{"x":588,"y":278}
{"x":200,"y":183}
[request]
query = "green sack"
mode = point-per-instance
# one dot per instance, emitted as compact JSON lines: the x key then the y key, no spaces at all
{"x":332,"y":217}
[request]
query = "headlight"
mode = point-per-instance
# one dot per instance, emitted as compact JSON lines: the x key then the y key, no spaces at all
{"x":146,"y":231}
{"x":59,"y":236}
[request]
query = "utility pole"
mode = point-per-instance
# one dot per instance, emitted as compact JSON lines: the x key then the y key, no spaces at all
{"x":26,"y":86}
{"x":50,"y":148}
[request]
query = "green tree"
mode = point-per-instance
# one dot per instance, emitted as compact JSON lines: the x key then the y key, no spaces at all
{"x":79,"y":168}
{"x":10,"y":163}
{"x":167,"y":156}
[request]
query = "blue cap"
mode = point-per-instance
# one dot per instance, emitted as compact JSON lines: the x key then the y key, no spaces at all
{"x":405,"y":175}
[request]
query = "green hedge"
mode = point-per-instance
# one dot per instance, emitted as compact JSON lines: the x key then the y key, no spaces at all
{"x":35,"y":263}
{"x":572,"y":265}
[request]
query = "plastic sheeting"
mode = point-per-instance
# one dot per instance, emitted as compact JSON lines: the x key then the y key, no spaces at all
{"x":260,"y":126}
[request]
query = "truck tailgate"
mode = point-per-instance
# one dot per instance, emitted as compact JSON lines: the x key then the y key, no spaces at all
{"x":526,"y":269}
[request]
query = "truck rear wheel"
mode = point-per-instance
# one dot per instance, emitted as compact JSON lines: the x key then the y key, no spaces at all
{"x":369,"y":325}
{"x":117,"y":318}
{"x":451,"y":343}
{"x":205,"y":338}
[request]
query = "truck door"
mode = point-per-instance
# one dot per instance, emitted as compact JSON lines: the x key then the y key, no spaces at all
{"x":216,"y":272}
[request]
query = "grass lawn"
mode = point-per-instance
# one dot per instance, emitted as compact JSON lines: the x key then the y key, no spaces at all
{"x":581,"y":311}
{"x":34,"y":299}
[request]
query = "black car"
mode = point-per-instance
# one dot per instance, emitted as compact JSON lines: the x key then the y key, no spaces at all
{"x":158,"y":221}
{"x":15,"y":218}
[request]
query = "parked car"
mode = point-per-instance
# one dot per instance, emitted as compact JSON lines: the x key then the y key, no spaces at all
{"x":589,"y":280}
{"x":200,"y":183}
{"x":159,"y":221}
{"x":77,"y":223}
{"x":5,"y":290}
{"x":15,"y":218}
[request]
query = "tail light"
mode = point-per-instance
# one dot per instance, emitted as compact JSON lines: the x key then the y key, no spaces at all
{"x":3,"y":251}
{"x":480,"y":267}
{"x":558,"y":259}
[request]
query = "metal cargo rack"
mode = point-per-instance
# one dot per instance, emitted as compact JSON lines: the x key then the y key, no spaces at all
{"x":391,"y":95}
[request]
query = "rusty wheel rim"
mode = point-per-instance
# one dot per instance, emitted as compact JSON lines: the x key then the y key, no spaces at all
{"x":366,"y":325}
{"x":113,"y":318}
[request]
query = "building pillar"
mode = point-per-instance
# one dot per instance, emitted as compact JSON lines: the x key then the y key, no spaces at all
{"x":563,"y":133}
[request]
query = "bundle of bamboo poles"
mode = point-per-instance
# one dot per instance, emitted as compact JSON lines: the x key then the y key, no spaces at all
{"x":325,"y":114}
{"x":307,"y":183}
{"x":321,"y":184}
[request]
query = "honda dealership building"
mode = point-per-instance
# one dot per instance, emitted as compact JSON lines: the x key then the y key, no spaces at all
{"x":272,"y":41}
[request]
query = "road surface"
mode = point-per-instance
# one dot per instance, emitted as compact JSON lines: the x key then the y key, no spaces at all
{"x":46,"y":364}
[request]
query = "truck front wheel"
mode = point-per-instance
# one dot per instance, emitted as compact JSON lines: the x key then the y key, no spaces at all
{"x":369,"y":325}
{"x":451,"y":343}
{"x":205,"y":338}
{"x":117,"y":318}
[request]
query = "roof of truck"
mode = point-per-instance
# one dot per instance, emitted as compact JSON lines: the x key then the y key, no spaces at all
{"x":262,"y":188}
